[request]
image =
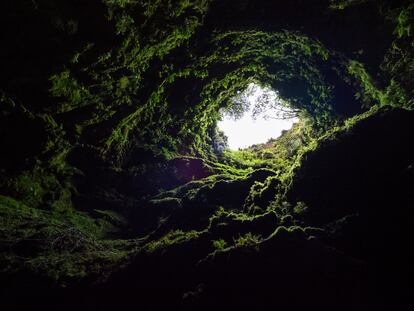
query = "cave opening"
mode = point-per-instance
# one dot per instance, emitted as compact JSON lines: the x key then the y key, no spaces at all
{"x":255,"y":116}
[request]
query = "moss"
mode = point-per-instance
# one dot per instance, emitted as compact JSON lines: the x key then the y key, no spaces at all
{"x":219,"y":245}
{"x":99,"y":262}
{"x":28,"y":188}
{"x":228,"y":225}
{"x":300,"y":209}
{"x":62,"y":246}
{"x":214,"y":92}
{"x":172,"y":238}
{"x":404,"y":22}
{"x":40,"y":187}
{"x":289,"y":232}
{"x":261,"y":194}
{"x":111,"y":85}
{"x":248,"y":241}
{"x":65,"y":86}
{"x":124,"y":126}
{"x":370,"y":91}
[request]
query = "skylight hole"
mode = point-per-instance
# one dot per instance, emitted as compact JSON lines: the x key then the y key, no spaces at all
{"x":255,"y":116}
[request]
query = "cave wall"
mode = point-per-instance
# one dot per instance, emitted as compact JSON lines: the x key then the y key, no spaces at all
{"x":108,"y":165}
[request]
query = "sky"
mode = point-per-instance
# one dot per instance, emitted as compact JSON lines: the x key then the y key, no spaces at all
{"x":246,"y":131}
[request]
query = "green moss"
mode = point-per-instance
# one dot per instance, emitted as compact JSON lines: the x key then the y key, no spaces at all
{"x":284,"y":232}
{"x":172,"y":238}
{"x":41,"y":187}
{"x":369,"y":91}
{"x":66,"y":87}
{"x":243,"y":158}
{"x":28,"y":188}
{"x":219,"y":245}
{"x":404,"y":22}
{"x":248,"y":240}
{"x":300,"y":208}
{"x":150,"y":92}
{"x":62,"y":246}
{"x":263,"y":57}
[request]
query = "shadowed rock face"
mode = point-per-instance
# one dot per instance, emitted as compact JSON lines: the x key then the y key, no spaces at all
{"x":114,"y":194}
{"x":350,"y":160}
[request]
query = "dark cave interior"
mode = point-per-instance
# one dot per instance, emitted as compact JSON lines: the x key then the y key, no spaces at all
{"x":117,"y":188}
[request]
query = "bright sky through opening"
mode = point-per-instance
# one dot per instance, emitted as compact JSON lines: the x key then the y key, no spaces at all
{"x":248,"y":131}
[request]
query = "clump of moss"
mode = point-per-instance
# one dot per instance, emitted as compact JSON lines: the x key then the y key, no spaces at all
{"x":248,"y":240}
{"x":220,"y":244}
{"x":63,"y":246}
{"x":405,"y":21}
{"x":171,"y":239}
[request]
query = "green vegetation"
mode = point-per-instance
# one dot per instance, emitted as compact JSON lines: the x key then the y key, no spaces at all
{"x":113,"y":170}
{"x":64,"y":246}
{"x":220,"y":244}
{"x":248,"y":241}
{"x":171,"y":239}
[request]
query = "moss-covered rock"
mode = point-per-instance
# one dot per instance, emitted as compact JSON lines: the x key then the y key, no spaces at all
{"x":116,"y":187}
